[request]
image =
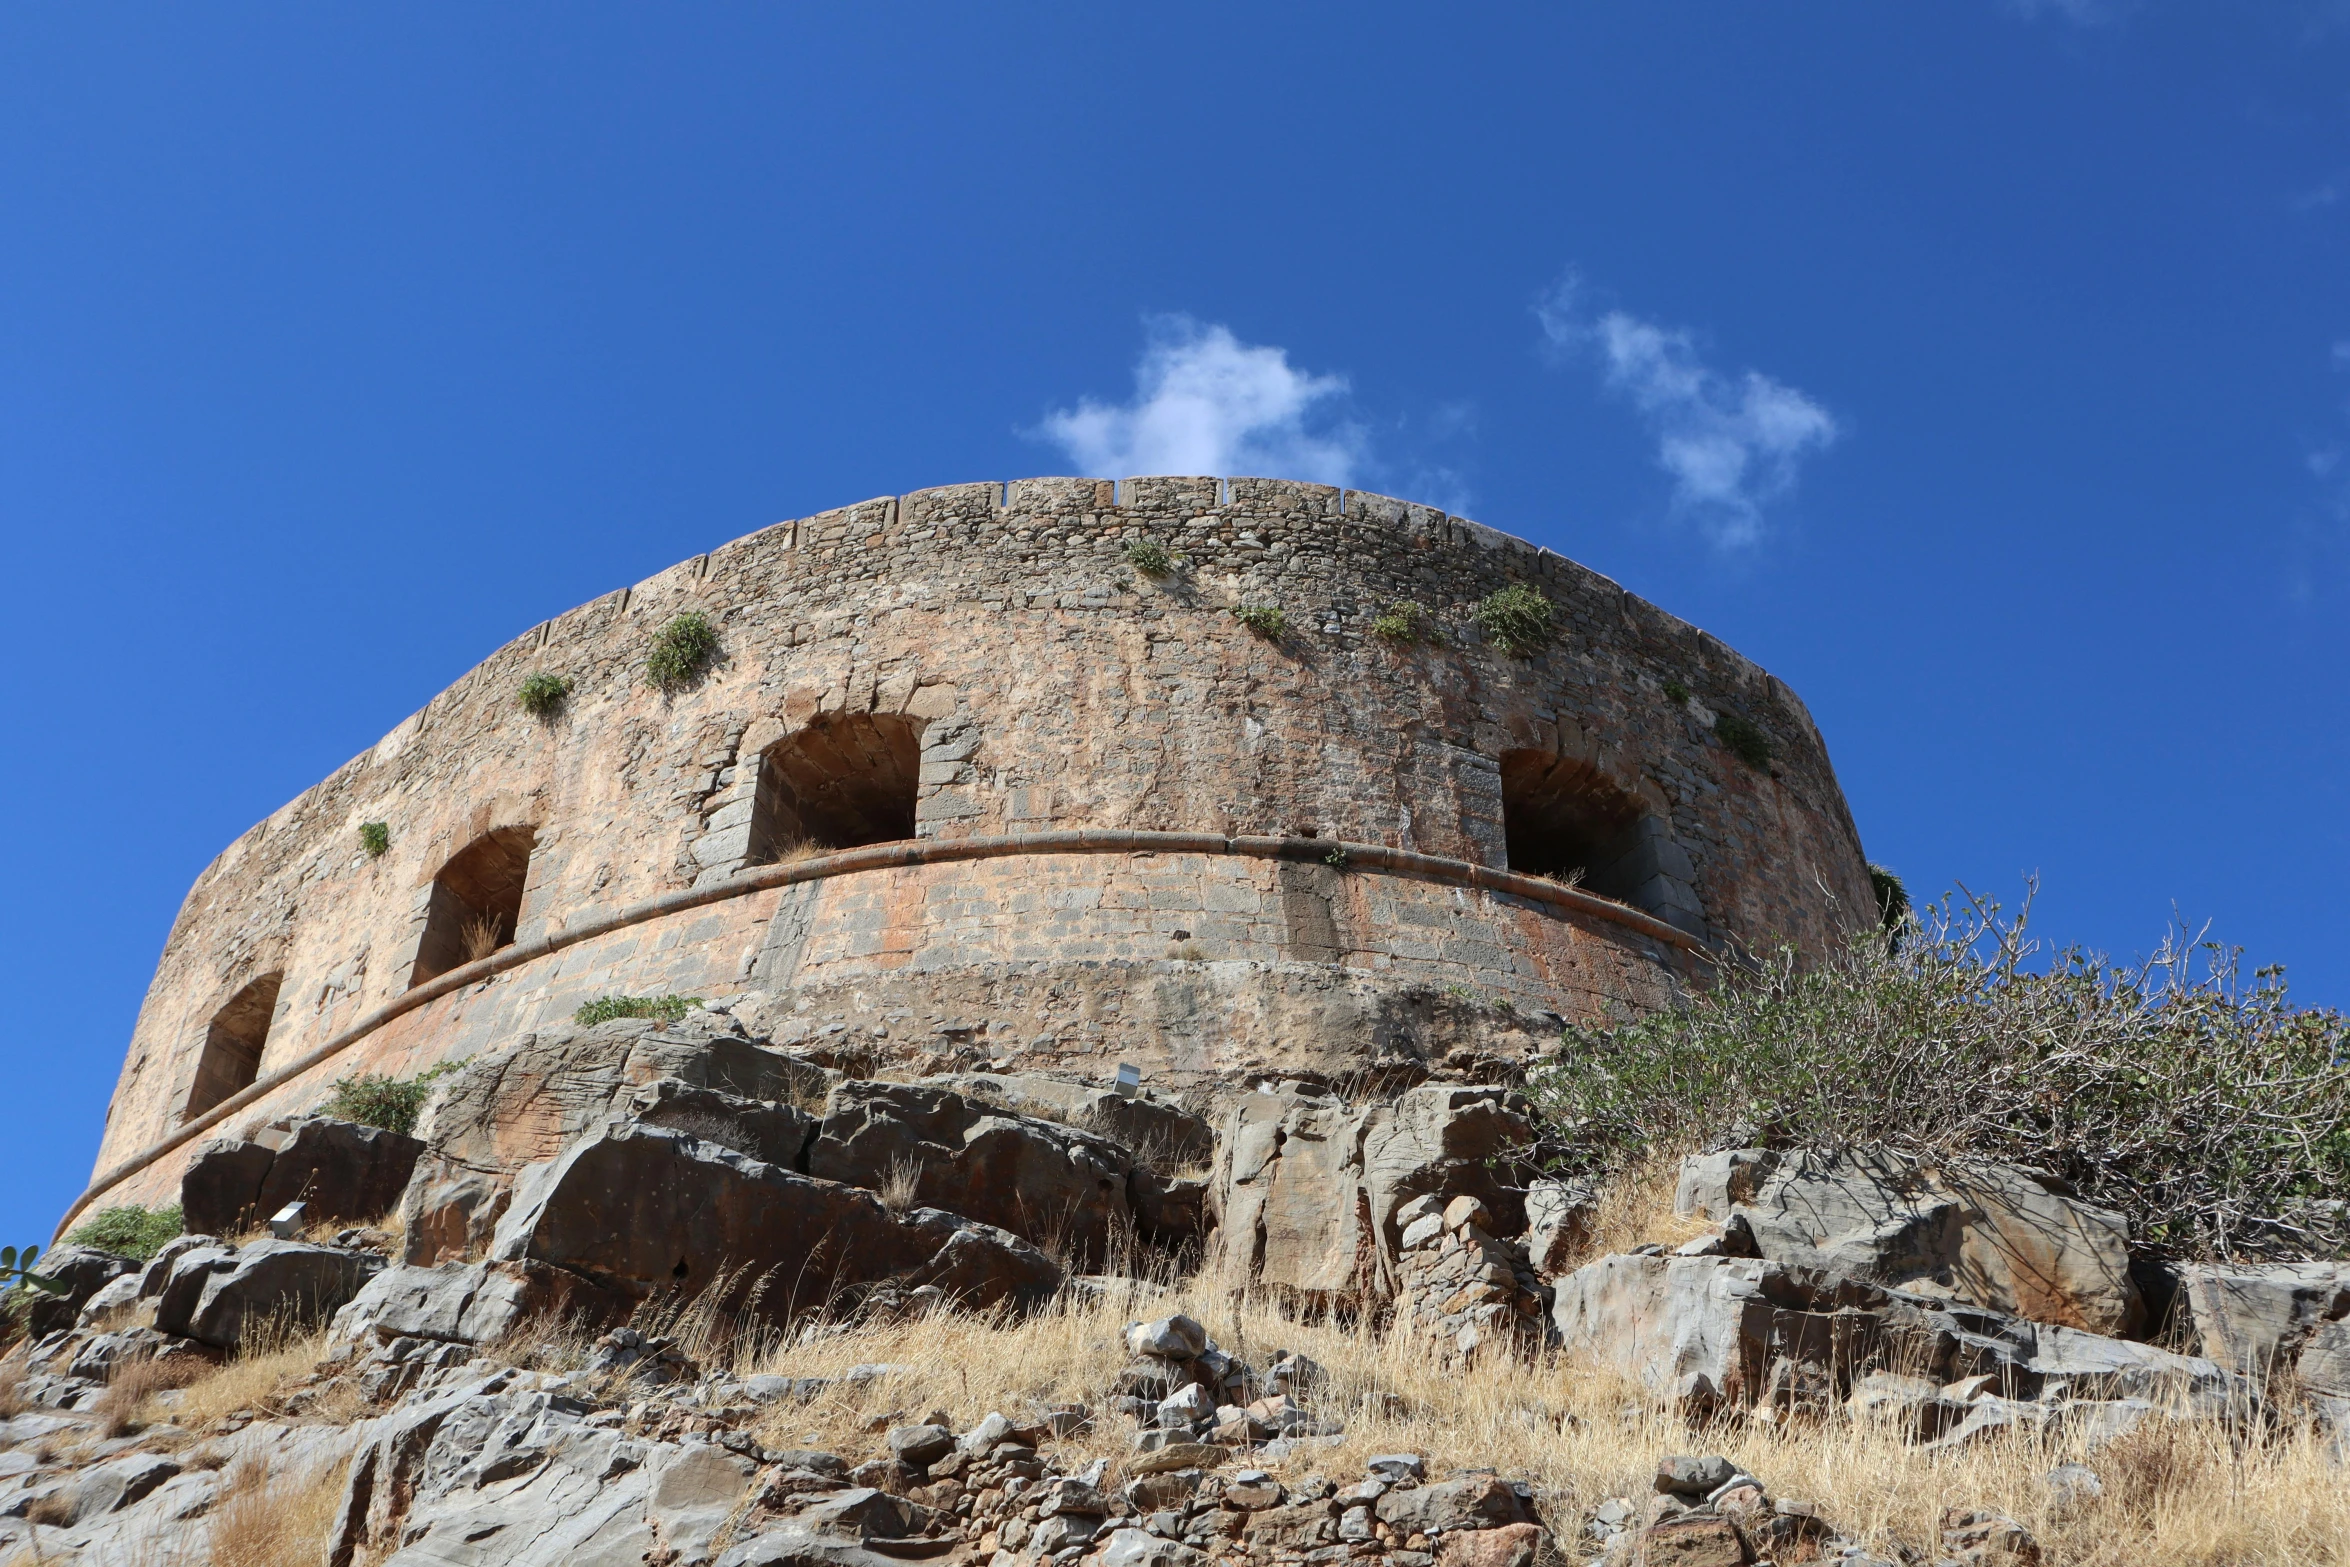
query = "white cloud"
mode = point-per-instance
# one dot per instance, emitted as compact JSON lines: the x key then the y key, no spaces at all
{"x":1207,"y":403}
{"x":1732,"y":443}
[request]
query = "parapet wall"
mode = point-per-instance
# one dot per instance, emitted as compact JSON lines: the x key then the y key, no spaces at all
{"x":1051,"y":686}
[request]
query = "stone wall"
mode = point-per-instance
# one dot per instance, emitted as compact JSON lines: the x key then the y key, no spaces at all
{"x":1051,"y":686}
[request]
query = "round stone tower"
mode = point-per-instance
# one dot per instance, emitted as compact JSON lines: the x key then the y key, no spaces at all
{"x":1216,"y":778}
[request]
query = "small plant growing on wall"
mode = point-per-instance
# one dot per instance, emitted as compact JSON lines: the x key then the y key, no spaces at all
{"x":1515,"y":619}
{"x":392,"y":1103}
{"x":1746,"y":742}
{"x":129,"y":1231}
{"x":1676,"y":693}
{"x":375,"y":838}
{"x":542,"y":695}
{"x":682,"y":650}
{"x":1266,"y":620}
{"x":1150,"y":557}
{"x":1405,"y":622}
{"x":667,"y":1009}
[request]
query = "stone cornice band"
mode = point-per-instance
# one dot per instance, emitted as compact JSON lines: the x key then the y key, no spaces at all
{"x":892,"y":856}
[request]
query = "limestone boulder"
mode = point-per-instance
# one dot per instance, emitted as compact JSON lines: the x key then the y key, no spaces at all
{"x":2274,"y":1320}
{"x":776,"y":1134}
{"x":1307,"y":1188}
{"x":214,"y":1295}
{"x":1986,"y":1233}
{"x":468,"y":1303}
{"x":84,"y":1271}
{"x":1037,"y":1179}
{"x":525,"y":1103}
{"x":1155,"y":1131}
{"x":343,"y":1171}
{"x":1715,"y":1332}
{"x":637,"y":1208}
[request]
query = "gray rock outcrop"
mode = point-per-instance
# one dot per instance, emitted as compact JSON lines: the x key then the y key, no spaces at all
{"x":1037,"y":1179}
{"x":1307,"y":1187}
{"x":639,"y":1208}
{"x":342,"y":1171}
{"x":214,"y":1295}
{"x":1987,"y":1233}
{"x":525,"y":1104}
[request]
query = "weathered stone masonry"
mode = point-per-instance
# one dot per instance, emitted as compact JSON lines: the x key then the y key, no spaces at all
{"x":987,"y":650}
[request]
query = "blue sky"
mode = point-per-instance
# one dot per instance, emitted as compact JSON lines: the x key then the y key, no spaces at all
{"x":1982,"y":369}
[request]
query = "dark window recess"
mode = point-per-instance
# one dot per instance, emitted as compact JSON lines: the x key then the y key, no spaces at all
{"x":846,"y":779}
{"x":233,"y":1043}
{"x":1560,"y":816}
{"x":476,"y":903}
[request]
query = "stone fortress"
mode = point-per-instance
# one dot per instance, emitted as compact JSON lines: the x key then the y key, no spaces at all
{"x":964,"y":786}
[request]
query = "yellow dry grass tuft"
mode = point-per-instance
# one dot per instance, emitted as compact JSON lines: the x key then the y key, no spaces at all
{"x":254,"y":1378}
{"x":1635,"y":1208}
{"x":265,"y":1520}
{"x":2180,"y":1494}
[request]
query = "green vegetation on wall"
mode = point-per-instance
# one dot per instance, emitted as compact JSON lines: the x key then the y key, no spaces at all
{"x":1749,"y":744}
{"x":682,"y":650}
{"x":1266,"y":620}
{"x":375,"y":838}
{"x":543,"y":695}
{"x":1515,"y":619}
{"x":604,"y":1009}
{"x":128,"y":1231}
{"x":392,"y":1103}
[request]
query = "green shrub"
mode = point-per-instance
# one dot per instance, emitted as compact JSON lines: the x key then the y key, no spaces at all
{"x":1516,"y":619}
{"x":682,"y":650}
{"x":1749,"y":744}
{"x":542,"y":695}
{"x":2209,"y":1113}
{"x":375,"y":838}
{"x":604,"y":1009}
{"x":389,"y":1102}
{"x":128,"y":1231}
{"x":1892,"y":899}
{"x":1675,"y":692}
{"x":1405,"y":621}
{"x":1266,"y":620}
{"x":1150,"y":557}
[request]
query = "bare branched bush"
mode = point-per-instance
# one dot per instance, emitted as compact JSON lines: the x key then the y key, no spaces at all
{"x":2214,"y":1114}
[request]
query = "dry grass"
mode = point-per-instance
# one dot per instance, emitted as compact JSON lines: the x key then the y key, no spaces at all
{"x":1635,"y":1208}
{"x":122,"y":1408}
{"x":479,"y":938}
{"x":901,"y":1185}
{"x":2178,"y":1494}
{"x":263,"y":1520}
{"x":12,"y":1399}
{"x":255,"y":1378}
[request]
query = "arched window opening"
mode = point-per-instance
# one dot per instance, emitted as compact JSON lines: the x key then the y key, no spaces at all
{"x":846,"y":779}
{"x":233,"y":1042}
{"x":476,"y":903}
{"x":1560,"y":816}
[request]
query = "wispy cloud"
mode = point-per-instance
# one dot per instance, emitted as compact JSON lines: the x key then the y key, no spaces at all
{"x":1207,"y":403}
{"x":1732,"y":443}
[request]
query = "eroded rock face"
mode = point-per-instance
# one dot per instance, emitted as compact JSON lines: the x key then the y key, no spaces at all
{"x":343,"y":1171}
{"x":1987,"y":1233}
{"x":523,"y":1105}
{"x":1730,"y":1331}
{"x":1307,"y":1188}
{"x":2277,"y":1320}
{"x":1156,"y":1131}
{"x":1041,"y":1181}
{"x":640,"y":1208}
{"x":213,"y":1295}
{"x":84,"y":1271}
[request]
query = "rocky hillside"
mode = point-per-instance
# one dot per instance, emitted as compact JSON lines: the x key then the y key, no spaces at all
{"x":662,"y":1292}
